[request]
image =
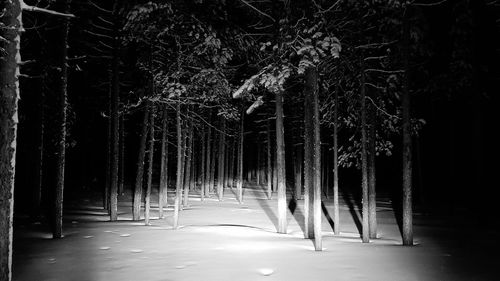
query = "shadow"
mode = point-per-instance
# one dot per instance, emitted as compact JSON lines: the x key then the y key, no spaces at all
{"x":328,"y":217}
{"x":397,"y":207}
{"x":346,"y":195}
{"x":297,"y":214}
{"x":264,"y":205}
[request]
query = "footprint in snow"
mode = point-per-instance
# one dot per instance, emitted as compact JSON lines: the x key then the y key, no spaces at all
{"x":52,"y":260}
{"x":266,"y":271}
{"x":125,"y":235}
{"x":104,"y":248}
{"x":135,"y":251}
{"x":87,"y":236}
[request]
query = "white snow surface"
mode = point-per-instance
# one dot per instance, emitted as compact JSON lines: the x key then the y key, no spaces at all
{"x":231,"y":241}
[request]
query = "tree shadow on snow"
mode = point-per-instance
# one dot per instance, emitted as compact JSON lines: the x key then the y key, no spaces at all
{"x":264,"y":204}
{"x":351,"y":204}
{"x":297,"y":214}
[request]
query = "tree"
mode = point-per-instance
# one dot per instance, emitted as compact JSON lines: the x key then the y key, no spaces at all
{"x":136,"y":205}
{"x":10,"y":27}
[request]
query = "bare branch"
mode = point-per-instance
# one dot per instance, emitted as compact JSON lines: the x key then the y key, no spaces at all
{"x":428,"y":4}
{"x":257,"y":10}
{"x":384,"y":71}
{"x":100,"y":8}
{"x":29,"y":8}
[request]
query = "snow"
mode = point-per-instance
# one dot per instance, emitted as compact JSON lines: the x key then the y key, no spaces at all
{"x":231,"y":241}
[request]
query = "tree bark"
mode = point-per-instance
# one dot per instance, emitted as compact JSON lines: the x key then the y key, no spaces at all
{"x":220,"y":169}
{"x":203,"y":160}
{"x":364,"y":164}
{"x":37,"y":185}
{"x":298,"y":172}
{"x":211,"y":182}
{"x":208,"y":162}
{"x":163,"y":189}
{"x":336,"y":207}
{"x":121,"y":170}
{"x":136,"y":214}
{"x":150,"y":165}
{"x":9,"y":91}
{"x":407,"y":145}
{"x":280,"y":164}
{"x":62,"y":83}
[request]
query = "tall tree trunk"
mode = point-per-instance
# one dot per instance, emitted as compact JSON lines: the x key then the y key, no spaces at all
{"x":269,"y":162}
{"x":407,"y":145}
{"x":150,"y":163}
{"x":211,"y":183}
{"x":208,"y":162}
{"x":312,"y":80}
{"x":37,"y":185}
{"x":121,"y":165}
{"x":258,"y":164}
{"x":239,"y":183}
{"x":231,"y":162}
{"x":220,"y":169}
{"x":364,"y":164}
{"x":308,"y":162}
{"x":336,"y":207}
{"x":114,"y":116}
{"x":136,"y":208}
{"x":189,"y":157}
{"x":9,"y":89}
{"x":203,"y":160}
{"x":62,"y":83}
{"x":180,"y":156}
{"x":163,"y":189}
{"x":372,"y":195}
{"x":280,"y":164}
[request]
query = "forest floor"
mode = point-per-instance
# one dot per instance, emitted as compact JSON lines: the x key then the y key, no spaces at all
{"x":231,"y":241}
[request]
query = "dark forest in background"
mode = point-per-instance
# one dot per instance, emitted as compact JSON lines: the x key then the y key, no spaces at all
{"x":134,"y":63}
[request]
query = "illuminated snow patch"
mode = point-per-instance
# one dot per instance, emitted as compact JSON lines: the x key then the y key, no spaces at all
{"x":235,"y":230}
{"x":265,"y":271}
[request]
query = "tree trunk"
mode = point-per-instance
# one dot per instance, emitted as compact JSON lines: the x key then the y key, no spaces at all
{"x":121,"y":170}
{"x":9,"y":89}
{"x":308,"y":163}
{"x":239,"y":183}
{"x":136,"y":214}
{"x":336,"y":207}
{"x":298,"y":172}
{"x":180,"y":156}
{"x":280,"y":164}
{"x":115,"y":123}
{"x":364,"y":164}
{"x":189,"y":157}
{"x":208,"y":162}
{"x":407,"y":145}
{"x":220,"y":169}
{"x":37,"y":185}
{"x":203,"y":160}
{"x":372,"y":195}
{"x":163,"y":189}
{"x":211,"y":183}
{"x":231,"y":163}
{"x":62,"y":82}
{"x":269,"y":162}
{"x":312,"y":80}
{"x":150,"y":165}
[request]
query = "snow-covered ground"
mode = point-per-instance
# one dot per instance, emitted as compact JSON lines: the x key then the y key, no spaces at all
{"x":231,"y":241}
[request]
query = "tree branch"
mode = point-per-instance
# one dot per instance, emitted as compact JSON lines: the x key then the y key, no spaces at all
{"x":257,"y":10}
{"x":29,"y":8}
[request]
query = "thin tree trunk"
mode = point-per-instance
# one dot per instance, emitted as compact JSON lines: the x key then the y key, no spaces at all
{"x":180,"y":156}
{"x":269,"y":163}
{"x":336,"y":207}
{"x":37,"y":186}
{"x":203,"y":160}
{"x":312,"y":80}
{"x":136,"y":214}
{"x":280,"y":161}
{"x":163,"y":189}
{"x":208,"y":162}
{"x":308,"y":163}
{"x":150,"y":161}
{"x":239,"y":183}
{"x":9,"y":91}
{"x":298,"y":172}
{"x":231,"y":163}
{"x":121,"y":172}
{"x":259,"y":150}
{"x":364,"y":164}
{"x":61,"y":134}
{"x":220,"y":169}
{"x":407,"y":145}
{"x":114,"y":117}
{"x":211,"y":183}
{"x":372,"y":196}
{"x":189,"y":171}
